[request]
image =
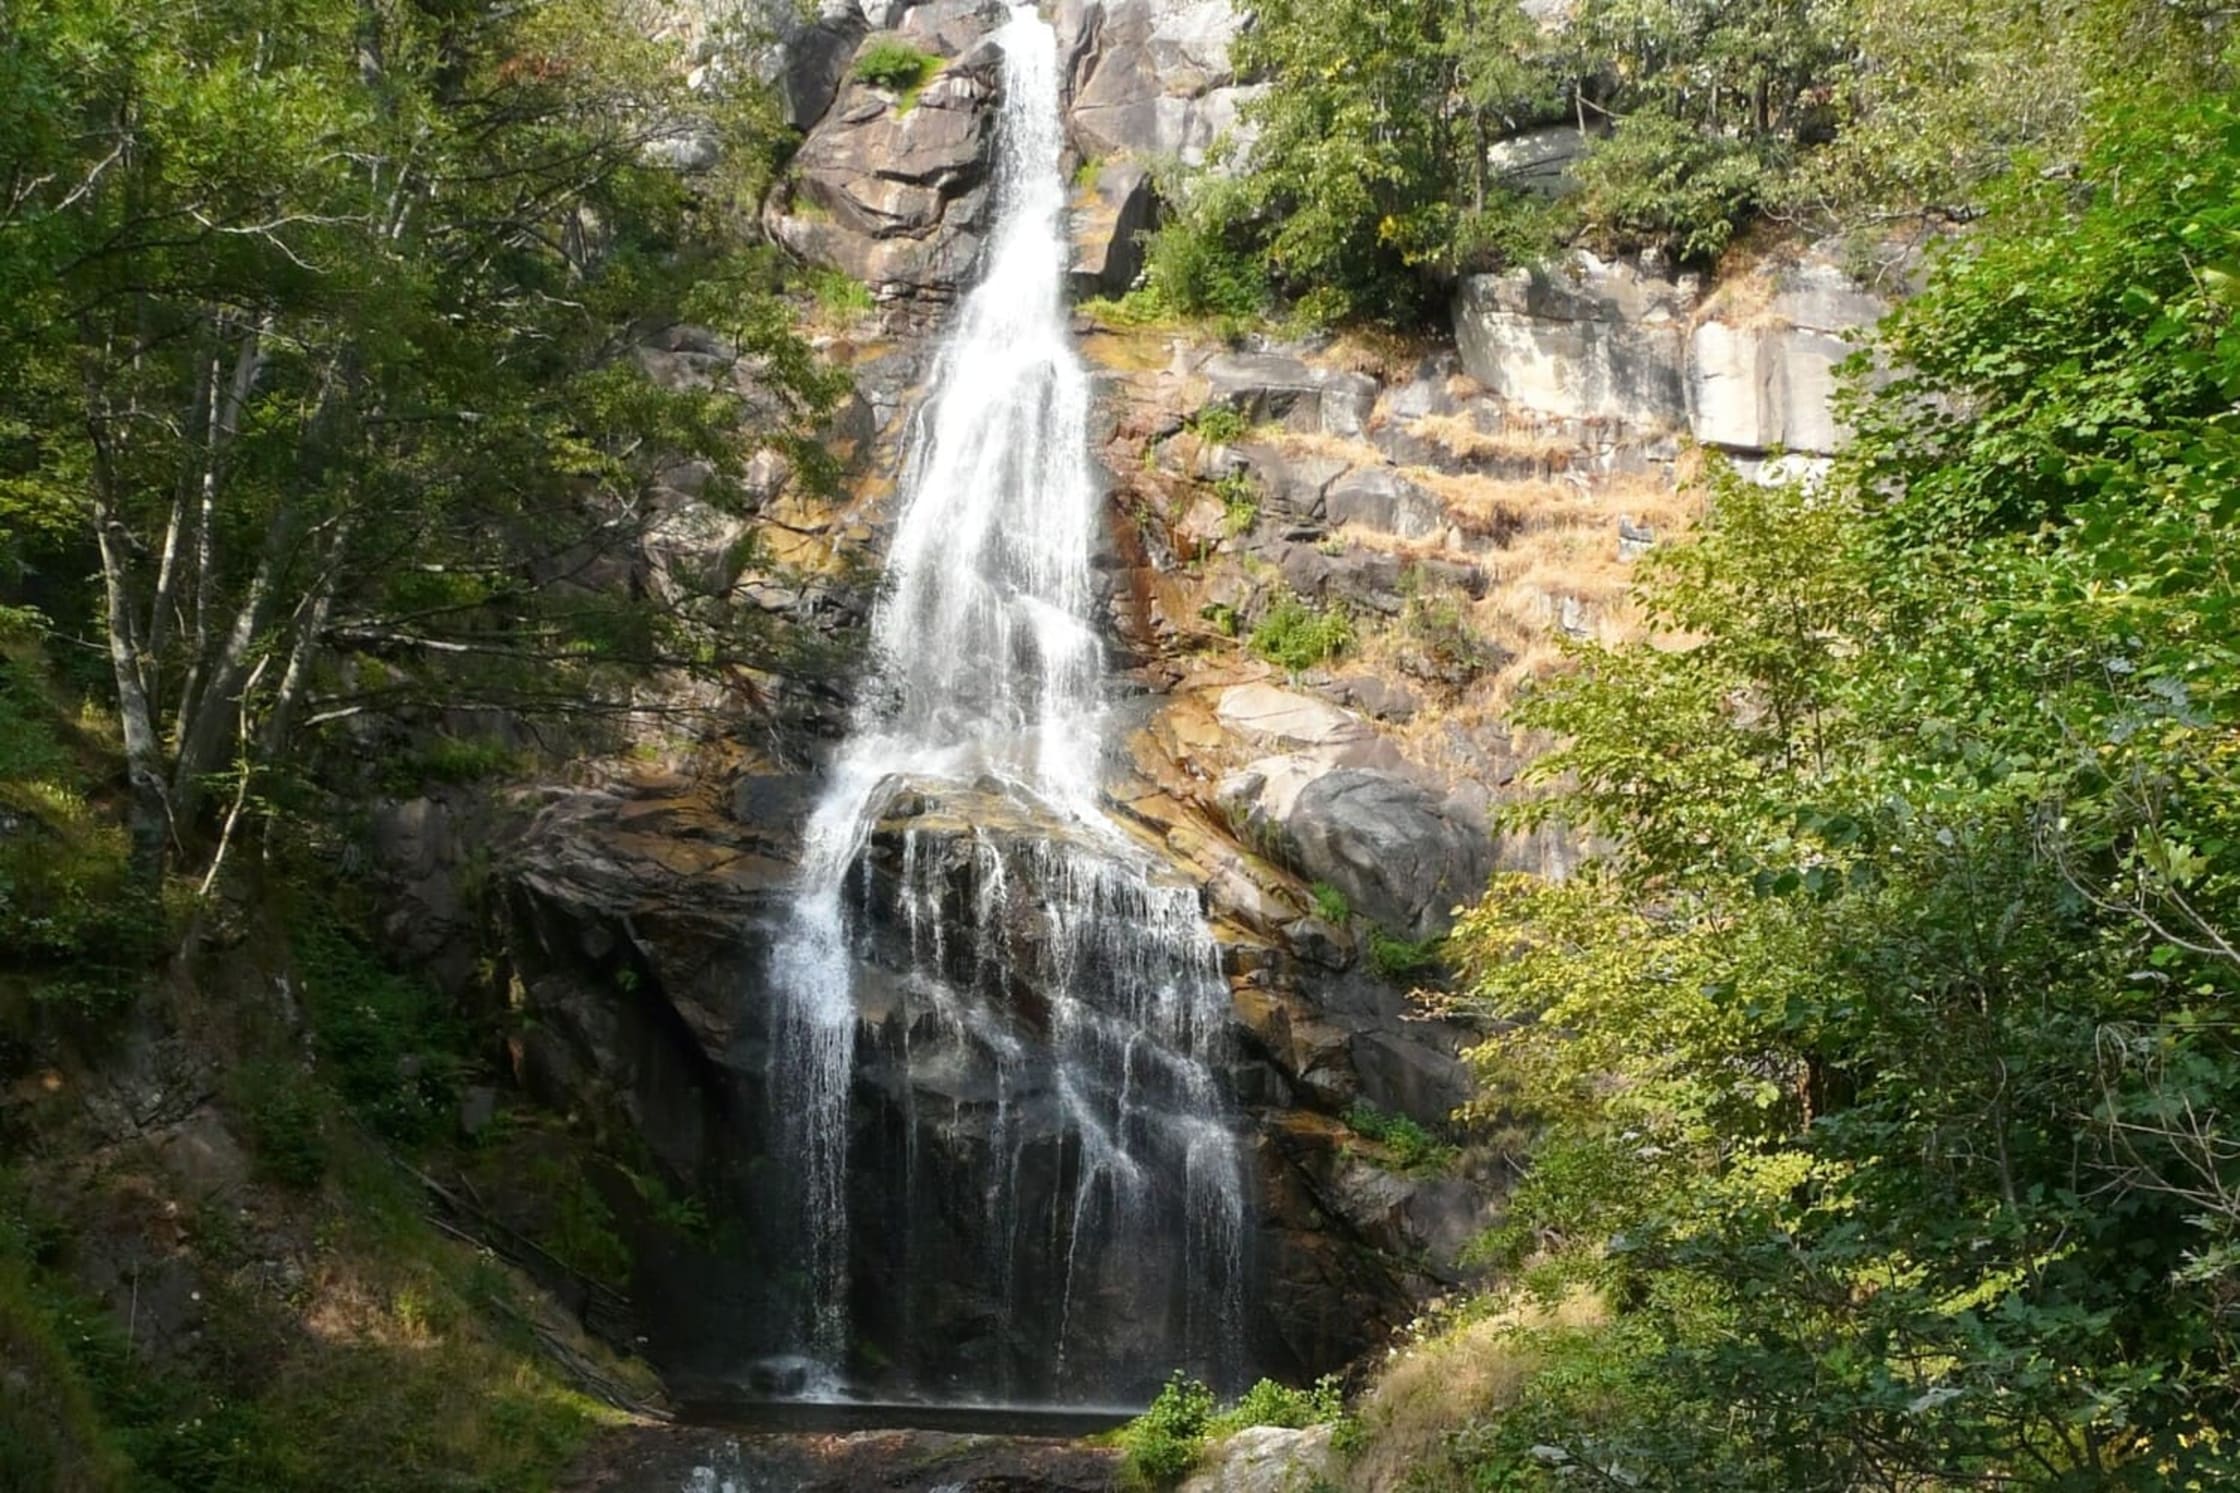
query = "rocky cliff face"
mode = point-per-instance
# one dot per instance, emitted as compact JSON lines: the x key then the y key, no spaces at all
{"x":1467,"y":503}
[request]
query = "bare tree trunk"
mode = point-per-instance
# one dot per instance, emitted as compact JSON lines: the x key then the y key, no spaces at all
{"x":148,"y":816}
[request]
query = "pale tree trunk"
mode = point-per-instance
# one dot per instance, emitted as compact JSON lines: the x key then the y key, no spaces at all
{"x":202,"y":736}
{"x":148,"y":814}
{"x":225,"y":422}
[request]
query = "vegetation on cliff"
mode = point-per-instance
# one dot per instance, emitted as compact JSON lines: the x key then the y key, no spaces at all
{"x":1884,"y":1069}
{"x":1368,"y":178}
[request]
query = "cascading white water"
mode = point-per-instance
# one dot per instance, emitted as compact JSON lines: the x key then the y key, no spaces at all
{"x":987,"y":670}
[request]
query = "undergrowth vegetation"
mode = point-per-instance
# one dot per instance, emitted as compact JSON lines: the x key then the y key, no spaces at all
{"x":77,"y":927}
{"x":1160,"y":1446}
{"x":423,"y":1374}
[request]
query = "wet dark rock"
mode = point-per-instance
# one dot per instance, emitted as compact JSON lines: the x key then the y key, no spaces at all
{"x":1410,"y":1076}
{"x":642,"y":917}
{"x":706,"y":1459}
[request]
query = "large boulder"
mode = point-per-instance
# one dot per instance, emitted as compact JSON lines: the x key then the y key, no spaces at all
{"x":1266,"y":1459}
{"x":895,"y":192}
{"x":811,"y":57}
{"x":1380,"y":498}
{"x":1292,"y":486}
{"x":1767,"y":379}
{"x":1269,"y":717}
{"x":1151,"y":78}
{"x":1283,"y":389}
{"x":1589,"y":339}
{"x":1341,"y":806}
{"x":1403,"y":854}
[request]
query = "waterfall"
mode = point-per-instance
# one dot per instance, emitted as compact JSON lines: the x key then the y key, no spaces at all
{"x":987,"y":685}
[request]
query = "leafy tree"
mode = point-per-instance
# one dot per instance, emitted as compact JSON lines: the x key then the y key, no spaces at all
{"x":1885,"y":1066}
{"x":316,"y":326}
{"x":1347,"y":182}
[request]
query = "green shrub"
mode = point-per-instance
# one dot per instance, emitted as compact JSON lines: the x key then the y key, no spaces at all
{"x":451,"y":759}
{"x":1159,"y":1446}
{"x":1138,"y":308}
{"x":1296,"y":636}
{"x":1413,"y":1149}
{"x":581,"y":1232}
{"x":283,"y":1122}
{"x":895,"y":65}
{"x":390,"y":1045}
{"x":1436,"y":640}
{"x":1268,"y":1403}
{"x":1658,"y":182}
{"x":1513,"y":228}
{"x":73,"y":915}
{"x":1240,"y":504}
{"x":1220,"y":425}
{"x":841,"y":296}
{"x":1331,"y":905}
{"x":1193,"y":271}
{"x":1397,"y":958}
{"x":51,"y":1434}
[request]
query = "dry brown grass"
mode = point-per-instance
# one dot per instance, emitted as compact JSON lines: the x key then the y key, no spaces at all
{"x":1464,"y":441}
{"x":1438,"y":1387}
{"x":1381,"y":353}
{"x":1748,"y":277}
{"x":1317,"y":443}
{"x":1550,"y":541}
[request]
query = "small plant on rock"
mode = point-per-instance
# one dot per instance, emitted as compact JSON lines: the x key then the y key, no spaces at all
{"x":1398,"y":958}
{"x":1413,"y":1149}
{"x":1240,"y":504}
{"x":895,"y":65}
{"x":842,"y":297}
{"x":1297,"y":636}
{"x":1220,"y":425}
